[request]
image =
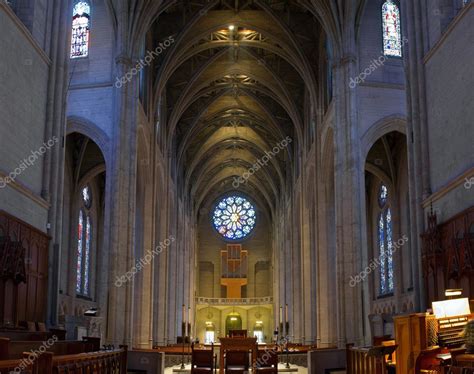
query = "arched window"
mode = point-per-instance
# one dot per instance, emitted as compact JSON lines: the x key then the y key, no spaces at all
{"x":392,"y":37}
{"x":80,"y":29}
{"x":84,"y":238}
{"x":385,"y":240}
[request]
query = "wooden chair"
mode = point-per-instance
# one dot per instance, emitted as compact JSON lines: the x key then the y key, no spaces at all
{"x":427,"y":362}
{"x":267,"y":361}
{"x":236,"y":362}
{"x":202,"y":360}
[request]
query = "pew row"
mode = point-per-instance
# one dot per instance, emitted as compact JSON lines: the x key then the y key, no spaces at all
{"x":25,"y":335}
{"x":9,"y":366}
{"x":371,"y":360}
{"x":101,"y":362}
{"x":14,"y":349}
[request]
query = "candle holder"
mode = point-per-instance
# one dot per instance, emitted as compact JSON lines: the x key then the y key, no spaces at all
{"x":183,"y":339}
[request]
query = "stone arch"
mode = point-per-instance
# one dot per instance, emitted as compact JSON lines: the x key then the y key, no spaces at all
{"x":91,"y":130}
{"x":396,"y":122}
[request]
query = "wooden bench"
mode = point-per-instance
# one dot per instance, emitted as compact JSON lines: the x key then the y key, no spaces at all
{"x":14,"y":349}
{"x":101,"y":362}
{"x":8,"y":366}
{"x":25,"y":335}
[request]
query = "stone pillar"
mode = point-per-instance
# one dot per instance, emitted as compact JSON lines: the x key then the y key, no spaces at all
{"x":308,"y":262}
{"x":417,"y":133}
{"x":123,"y":192}
{"x":348,"y":205}
{"x":160,"y":265}
{"x":53,"y":163}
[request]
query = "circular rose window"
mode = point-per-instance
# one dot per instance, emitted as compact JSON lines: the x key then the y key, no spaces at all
{"x":234,"y":217}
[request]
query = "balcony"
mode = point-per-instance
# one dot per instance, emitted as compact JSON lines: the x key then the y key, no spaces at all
{"x":225,"y":301}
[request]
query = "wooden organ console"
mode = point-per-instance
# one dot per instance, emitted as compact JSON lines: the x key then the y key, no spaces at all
{"x":425,"y":340}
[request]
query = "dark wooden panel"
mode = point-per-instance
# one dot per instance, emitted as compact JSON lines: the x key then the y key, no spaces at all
{"x":25,"y":299}
{"x":448,"y":255}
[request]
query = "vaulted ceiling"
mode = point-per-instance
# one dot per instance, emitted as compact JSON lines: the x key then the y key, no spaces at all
{"x":235,"y":83}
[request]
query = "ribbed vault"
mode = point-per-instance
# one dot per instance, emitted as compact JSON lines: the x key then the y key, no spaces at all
{"x":234,"y":85}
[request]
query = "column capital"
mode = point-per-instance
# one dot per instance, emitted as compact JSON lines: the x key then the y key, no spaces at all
{"x":124,"y":60}
{"x":344,"y":60}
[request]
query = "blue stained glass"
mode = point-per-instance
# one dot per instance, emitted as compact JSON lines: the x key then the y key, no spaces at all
{"x":79,"y":253}
{"x":87,"y":197}
{"x":87,"y":256}
{"x":392,"y":44}
{"x":388,"y":221}
{"x":80,"y":30}
{"x":381,"y":242}
{"x":383,"y":194}
{"x":385,"y":242}
{"x":234,"y":217}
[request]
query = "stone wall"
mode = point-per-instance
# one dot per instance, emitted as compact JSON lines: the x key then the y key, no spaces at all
{"x":450,"y":110}
{"x":24,"y":82}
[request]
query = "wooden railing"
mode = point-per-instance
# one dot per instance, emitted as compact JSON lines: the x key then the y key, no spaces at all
{"x":101,"y":362}
{"x":113,"y":362}
{"x":9,"y":366}
{"x":359,"y":363}
{"x":226,"y":301}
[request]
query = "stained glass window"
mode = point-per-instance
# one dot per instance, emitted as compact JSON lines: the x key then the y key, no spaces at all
{"x":234,"y":217}
{"x":385,"y":241}
{"x":392,"y":38}
{"x":80,"y":29}
{"x":87,"y":255}
{"x":84,"y":240}
{"x":86,"y":197}
{"x":79,"y":252}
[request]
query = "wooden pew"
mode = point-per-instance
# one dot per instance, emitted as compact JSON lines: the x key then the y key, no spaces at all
{"x":24,"y":335}
{"x":102,"y":362}
{"x":368,"y":360}
{"x":15,"y":349}
{"x":358,"y":362}
{"x":8,"y":366}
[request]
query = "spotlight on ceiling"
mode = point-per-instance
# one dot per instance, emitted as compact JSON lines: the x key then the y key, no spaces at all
{"x":231,"y":27}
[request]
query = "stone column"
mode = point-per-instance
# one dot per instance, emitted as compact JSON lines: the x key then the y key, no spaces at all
{"x":53,"y":163}
{"x":160,"y":268}
{"x":122,"y":205}
{"x":417,"y":133}
{"x":348,"y":205}
{"x":308,"y":261}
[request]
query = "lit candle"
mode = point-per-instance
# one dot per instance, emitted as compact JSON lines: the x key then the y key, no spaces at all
{"x":286,"y":314}
{"x":184,"y":313}
{"x":281,"y":314}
